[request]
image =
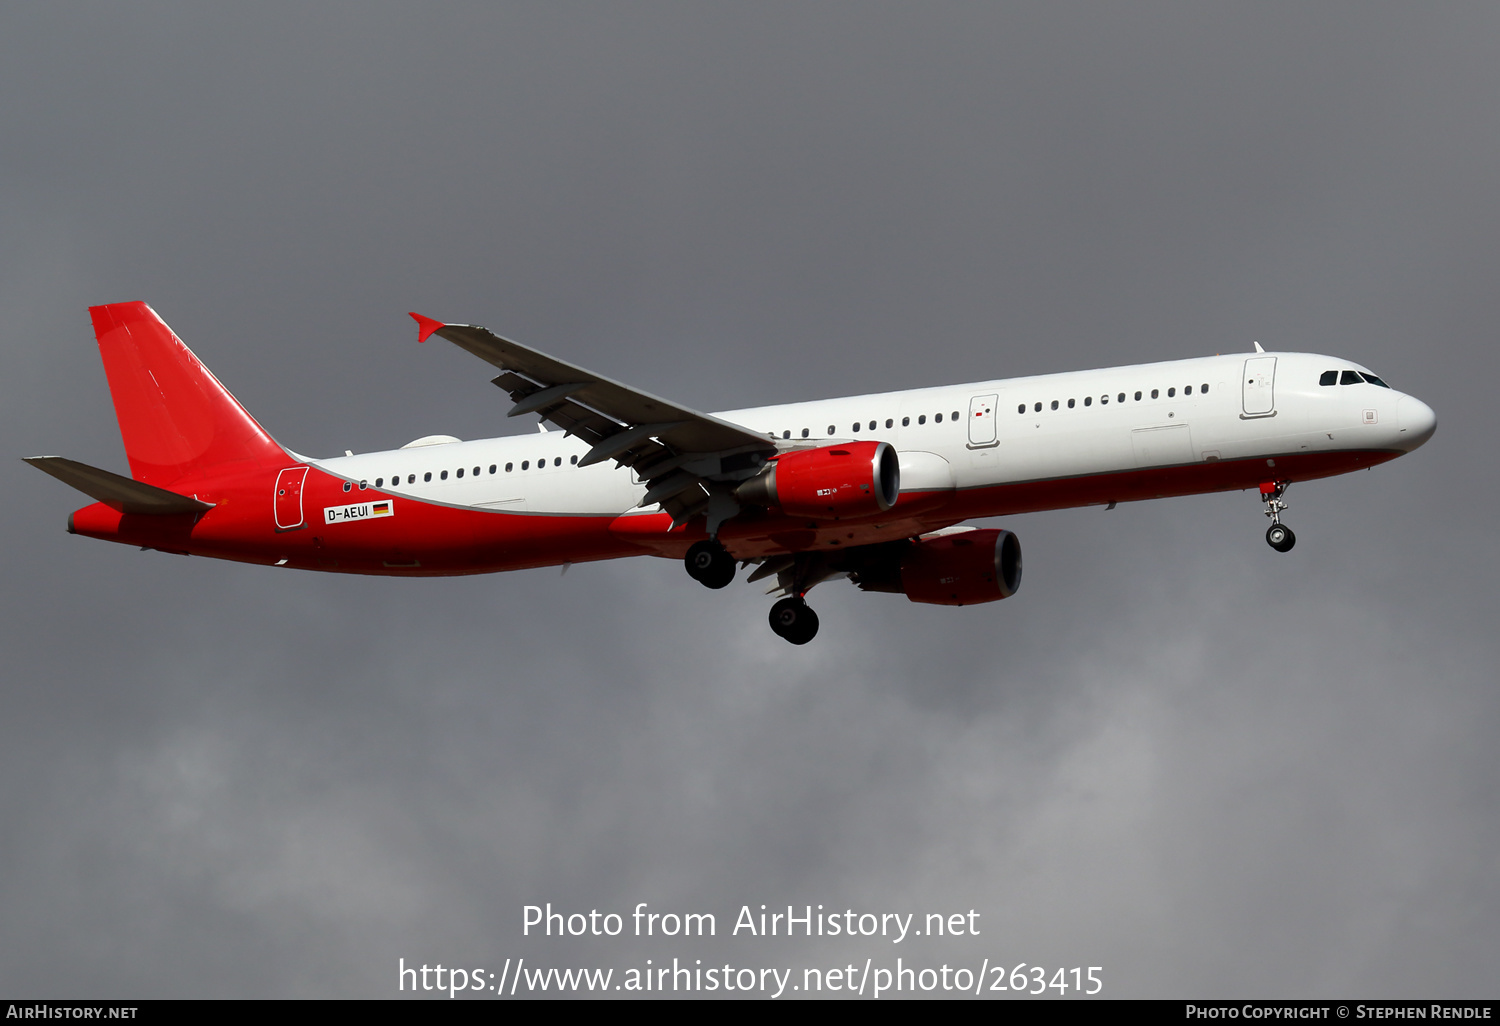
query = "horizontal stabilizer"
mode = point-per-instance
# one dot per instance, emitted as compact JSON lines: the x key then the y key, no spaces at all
{"x":122,"y":493}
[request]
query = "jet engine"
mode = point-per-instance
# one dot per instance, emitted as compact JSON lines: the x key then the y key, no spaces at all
{"x":834,"y":482}
{"x":959,"y":569}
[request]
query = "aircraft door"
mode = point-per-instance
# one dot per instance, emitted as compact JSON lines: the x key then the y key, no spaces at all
{"x":982,"y":421}
{"x":1260,"y":386}
{"x":289,"y":498}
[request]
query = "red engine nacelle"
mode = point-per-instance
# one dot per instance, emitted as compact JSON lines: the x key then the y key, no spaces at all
{"x":855,"y":479}
{"x":962,"y":569}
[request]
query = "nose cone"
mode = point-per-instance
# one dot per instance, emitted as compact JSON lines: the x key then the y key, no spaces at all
{"x":1415,"y":422}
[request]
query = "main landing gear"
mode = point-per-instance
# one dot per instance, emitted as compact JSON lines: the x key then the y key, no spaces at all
{"x":710,"y":564}
{"x":793,"y":619}
{"x":1278,"y":535}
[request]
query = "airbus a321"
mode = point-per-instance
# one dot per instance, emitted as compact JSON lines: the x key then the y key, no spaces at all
{"x":874,"y":488}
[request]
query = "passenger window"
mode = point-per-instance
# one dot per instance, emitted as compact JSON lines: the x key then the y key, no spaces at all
{"x":856,"y":427}
{"x":1351,"y":378}
{"x":786,"y":434}
{"x":830,"y":429}
{"x":1038,"y":408}
{"x":938,"y":418}
{"x":922,"y":419}
{"x":906,"y":422}
{"x":1104,"y":400}
{"x":427,"y":476}
{"x":557,"y":461}
{"x":889,"y":422}
{"x":525,"y":464}
{"x":1188,"y":390}
{"x":1138,"y":397}
{"x":1203,"y":388}
{"x":804,"y":432}
{"x":380,"y":482}
{"x":411,"y":478}
{"x":1088,"y":400}
{"x":1329,"y":378}
{"x":443,"y":476}
{"x":476,"y":471}
{"x":347,"y":486}
{"x":508,"y":467}
{"x":872,"y":425}
{"x":460,"y":471}
{"x":1122,"y":397}
{"x":1171,"y":392}
{"x":1021,"y":408}
{"x":573,"y":460}
{"x":1054,"y":404}
{"x":1070,"y":403}
{"x":492,"y":468}
{"x":955,"y":414}
{"x":1155,"y":393}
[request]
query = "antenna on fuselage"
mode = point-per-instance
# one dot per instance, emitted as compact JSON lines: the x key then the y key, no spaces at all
{"x":1258,"y":349}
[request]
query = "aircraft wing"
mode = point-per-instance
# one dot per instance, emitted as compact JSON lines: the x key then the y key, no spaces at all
{"x":681,"y":453}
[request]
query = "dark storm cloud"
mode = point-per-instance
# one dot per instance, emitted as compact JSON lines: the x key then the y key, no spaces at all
{"x":1174,"y":754}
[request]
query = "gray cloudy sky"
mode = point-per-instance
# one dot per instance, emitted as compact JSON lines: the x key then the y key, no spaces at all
{"x":1208,"y":768}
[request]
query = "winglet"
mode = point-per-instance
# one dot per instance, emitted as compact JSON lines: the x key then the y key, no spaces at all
{"x":425,"y":326}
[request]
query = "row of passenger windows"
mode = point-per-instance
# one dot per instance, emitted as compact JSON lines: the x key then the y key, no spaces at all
{"x":443,"y":474}
{"x":1350,"y":377}
{"x":1088,"y":400}
{"x":1333,"y":377}
{"x":890,"y":422}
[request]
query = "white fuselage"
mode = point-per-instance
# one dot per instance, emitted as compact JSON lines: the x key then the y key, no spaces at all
{"x":968,"y":436}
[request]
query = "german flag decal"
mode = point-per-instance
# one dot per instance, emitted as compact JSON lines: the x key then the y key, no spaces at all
{"x":359,"y":511}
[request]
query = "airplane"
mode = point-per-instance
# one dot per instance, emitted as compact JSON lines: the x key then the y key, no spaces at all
{"x":874,"y":488}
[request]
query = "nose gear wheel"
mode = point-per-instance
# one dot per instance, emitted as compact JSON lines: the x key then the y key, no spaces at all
{"x":1278,"y":535}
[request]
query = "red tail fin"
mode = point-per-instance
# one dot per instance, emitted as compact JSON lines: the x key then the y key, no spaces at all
{"x":176,"y":419}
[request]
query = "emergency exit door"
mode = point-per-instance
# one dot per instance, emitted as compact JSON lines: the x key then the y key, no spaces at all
{"x":289,"y":498}
{"x":982,"y":421}
{"x":1259,"y":383}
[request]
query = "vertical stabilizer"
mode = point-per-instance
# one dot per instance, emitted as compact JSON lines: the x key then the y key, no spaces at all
{"x":176,"y":419}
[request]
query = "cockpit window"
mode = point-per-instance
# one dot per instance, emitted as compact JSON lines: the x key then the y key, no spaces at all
{"x":1351,"y":378}
{"x":1329,"y":378}
{"x":1372,"y":379}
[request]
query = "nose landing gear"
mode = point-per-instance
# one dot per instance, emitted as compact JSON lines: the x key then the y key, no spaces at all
{"x":710,"y":564}
{"x":1278,"y":535}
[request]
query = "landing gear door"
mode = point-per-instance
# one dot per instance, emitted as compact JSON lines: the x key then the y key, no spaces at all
{"x":1260,"y":386}
{"x":289,"y":498}
{"x":982,"y":421}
